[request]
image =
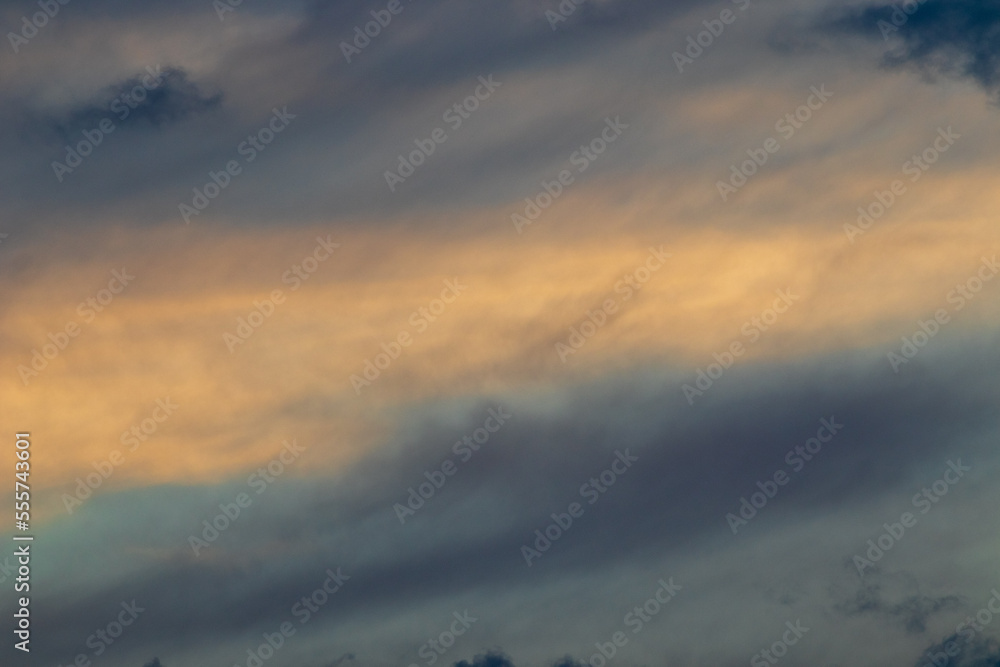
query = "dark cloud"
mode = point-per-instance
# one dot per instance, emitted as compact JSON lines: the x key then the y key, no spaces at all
{"x":569,"y":662}
{"x":954,"y":38}
{"x":157,"y":97}
{"x":898,"y":599}
{"x":975,"y":652}
{"x":155,"y":662}
{"x":695,"y":464}
{"x":497,"y":658}
{"x":490,"y":659}
{"x":349,"y":128}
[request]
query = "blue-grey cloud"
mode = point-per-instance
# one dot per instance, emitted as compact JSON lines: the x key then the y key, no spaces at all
{"x":954,"y":38}
{"x":695,"y":464}
{"x":898,"y":599}
{"x":157,"y":97}
{"x":956,"y":651}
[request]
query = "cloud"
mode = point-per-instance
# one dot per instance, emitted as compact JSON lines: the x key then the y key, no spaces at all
{"x":979,"y":652}
{"x":465,"y":544}
{"x":345,"y":657}
{"x":496,"y":658}
{"x":897,"y":598}
{"x":953,"y":38}
{"x":158,"y":96}
{"x":558,"y":87}
{"x":567,"y":661}
{"x":490,"y":659}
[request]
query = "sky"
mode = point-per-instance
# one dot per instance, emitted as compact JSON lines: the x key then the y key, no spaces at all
{"x":520,"y":333}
